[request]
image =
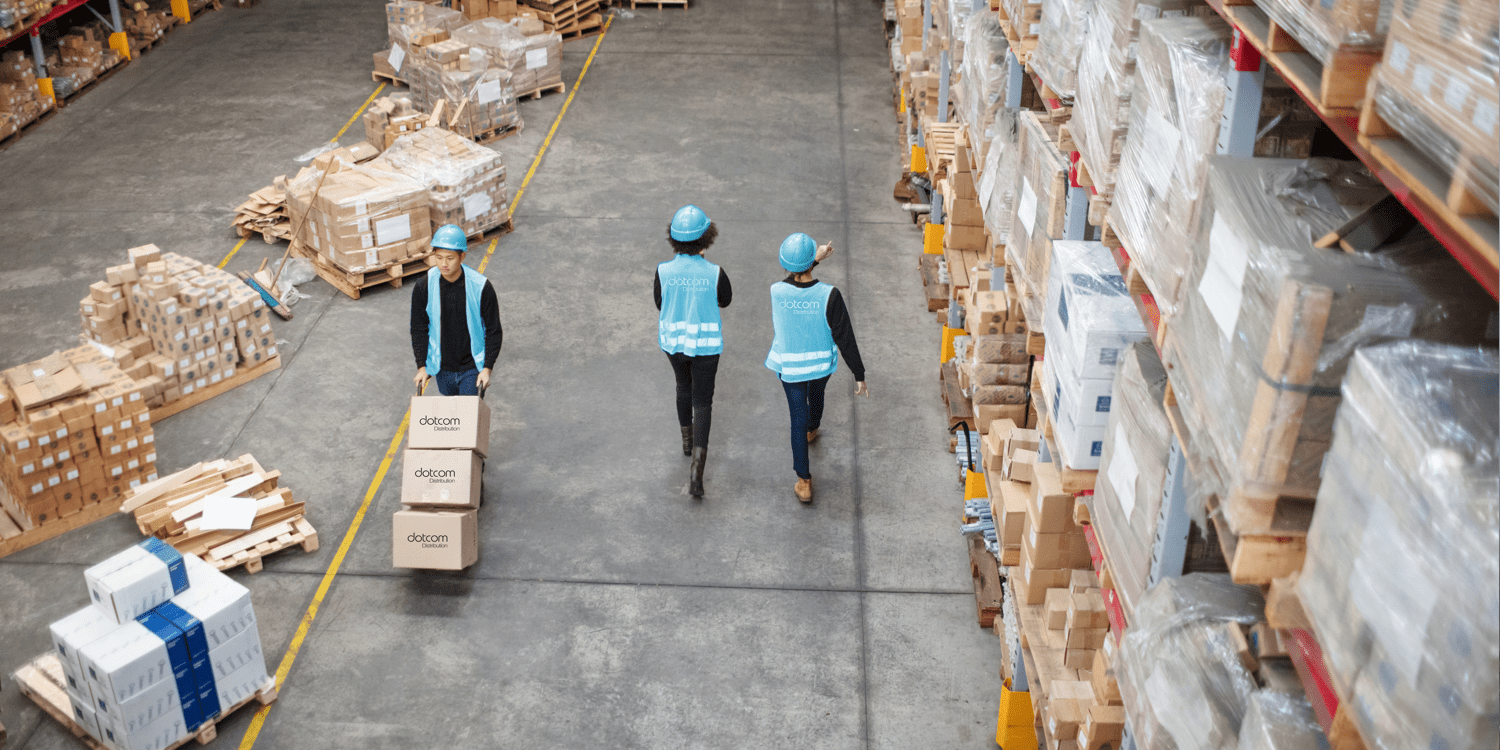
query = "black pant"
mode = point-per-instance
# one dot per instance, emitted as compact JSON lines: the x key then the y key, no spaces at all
{"x":695,"y":393}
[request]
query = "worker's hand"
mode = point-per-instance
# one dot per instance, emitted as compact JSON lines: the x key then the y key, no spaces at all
{"x":860,"y":389}
{"x":483,"y":381}
{"x":824,"y":251}
{"x":420,"y":379}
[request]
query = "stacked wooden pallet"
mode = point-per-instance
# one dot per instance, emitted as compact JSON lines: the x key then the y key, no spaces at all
{"x":570,"y":18}
{"x":187,"y":510}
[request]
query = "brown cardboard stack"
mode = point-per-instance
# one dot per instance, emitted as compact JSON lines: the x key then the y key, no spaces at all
{"x":13,"y":12}
{"x":389,"y":118}
{"x":264,"y":212}
{"x":175,"y":325}
{"x":465,"y":182}
{"x":533,"y":59}
{"x":361,"y":218}
{"x":145,"y":25}
{"x":437,"y":527}
{"x":1009,"y":466}
{"x":179,"y":509}
{"x":74,"y":431}
{"x":80,"y":57}
{"x":1041,"y":195}
{"x":21,"y":102}
{"x":471,"y":85}
{"x":994,"y":374}
{"x":962,"y":215}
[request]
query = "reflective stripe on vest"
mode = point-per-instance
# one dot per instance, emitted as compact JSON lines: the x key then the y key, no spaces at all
{"x":803,"y":347}
{"x":689,"y":321}
{"x":474,"y":282}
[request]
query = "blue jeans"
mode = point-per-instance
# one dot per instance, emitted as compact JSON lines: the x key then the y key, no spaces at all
{"x":464,"y":383}
{"x":805,"y":400}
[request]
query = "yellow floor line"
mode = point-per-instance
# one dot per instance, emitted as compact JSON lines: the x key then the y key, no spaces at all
{"x":339,"y":135}
{"x":258,"y":721}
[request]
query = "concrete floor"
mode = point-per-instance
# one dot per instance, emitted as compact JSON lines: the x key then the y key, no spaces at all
{"x":608,"y":609}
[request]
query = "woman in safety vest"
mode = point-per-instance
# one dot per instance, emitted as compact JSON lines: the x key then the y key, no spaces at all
{"x":812,"y":327}
{"x":689,"y":292}
{"x":455,"y":320}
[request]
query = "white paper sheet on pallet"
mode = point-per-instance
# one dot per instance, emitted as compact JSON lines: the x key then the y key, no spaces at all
{"x":237,"y":513}
{"x":1123,"y":471}
{"x":1026,"y":206}
{"x":536,"y":58}
{"x":398,"y":56}
{"x":477,"y":205}
{"x":489,"y":91}
{"x":1224,"y":275}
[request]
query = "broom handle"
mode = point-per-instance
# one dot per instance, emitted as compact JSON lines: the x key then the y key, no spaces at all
{"x":298,"y":229}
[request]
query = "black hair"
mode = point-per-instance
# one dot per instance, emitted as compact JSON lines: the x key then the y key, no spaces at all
{"x":694,"y":247}
{"x":793,"y":274}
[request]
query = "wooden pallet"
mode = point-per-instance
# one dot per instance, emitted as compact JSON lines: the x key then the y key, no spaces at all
{"x":539,"y":92}
{"x":14,"y":537}
{"x":199,"y":395}
{"x":942,"y":146}
{"x":1057,"y":110}
{"x":1023,"y":47}
{"x":485,"y":137}
{"x":380,"y":77}
{"x":41,"y":680}
{"x":658,"y":4}
{"x":1443,"y":191}
{"x":1334,"y":90}
{"x":87,"y":87}
{"x":353,"y":284}
{"x":10,"y":140}
{"x":281,"y":536}
{"x":986,"y":573}
{"x":589,"y":25}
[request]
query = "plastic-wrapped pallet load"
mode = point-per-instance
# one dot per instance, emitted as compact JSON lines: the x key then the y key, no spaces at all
{"x":1175,"y":107}
{"x":1439,"y":87}
{"x":406,"y":20}
{"x":476,"y":92}
{"x":1065,"y":28}
{"x":982,"y":91}
{"x":465,"y":182}
{"x":188,"y":652}
{"x":1269,"y":323}
{"x":1179,"y":669}
{"x":1040,"y":196}
{"x":1132,"y":470}
{"x":1402,"y":579}
{"x":1324,"y":27}
{"x":1091,"y":324}
{"x":1280,"y":721}
{"x":1106,"y":77}
{"x":362,"y":218}
{"x":997,"y":182}
{"x":535,"y":62}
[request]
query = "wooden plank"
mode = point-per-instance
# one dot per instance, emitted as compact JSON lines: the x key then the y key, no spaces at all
{"x":200,"y":395}
{"x":249,"y":540}
{"x":152,"y":490}
{"x":236,"y":487}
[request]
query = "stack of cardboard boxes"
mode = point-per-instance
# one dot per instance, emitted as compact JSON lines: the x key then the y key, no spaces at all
{"x":80,"y":58}
{"x":360,"y":218}
{"x":467,"y":88}
{"x":531,"y":53}
{"x":176,"y":325}
{"x":166,"y":646}
{"x":74,"y":431}
{"x":389,"y":118}
{"x":437,"y":527}
{"x":21,"y":102}
{"x":465,"y":182}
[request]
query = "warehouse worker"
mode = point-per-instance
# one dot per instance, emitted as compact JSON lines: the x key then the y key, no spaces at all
{"x":689,"y":292}
{"x":455,"y":320}
{"x":811,"y":328}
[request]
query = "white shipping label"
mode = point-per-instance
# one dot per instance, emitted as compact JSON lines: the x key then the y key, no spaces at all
{"x":1026,"y":206}
{"x":394,"y":229}
{"x":398,"y":56}
{"x":1399,"y":56}
{"x":1485,"y":115}
{"x":1384,"y":581}
{"x":1228,"y":256}
{"x":477,"y":205}
{"x":990,"y":174}
{"x":1123,"y":471}
{"x":1421,"y":79}
{"x":489,"y":91}
{"x":1456,"y":93}
{"x":1164,"y":139}
{"x":536,"y":58}
{"x":361,"y":207}
{"x":371,"y":257}
{"x":363,"y":224}
{"x":366,"y":242}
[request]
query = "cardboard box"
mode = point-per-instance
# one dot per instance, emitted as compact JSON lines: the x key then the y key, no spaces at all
{"x":132,"y":582}
{"x":435,"y":539}
{"x":1062,"y":551}
{"x":1051,"y":509}
{"x":1032,"y":583}
{"x":441,"y":478}
{"x":450,"y":423}
{"x":1020,"y":465}
{"x":69,"y":636}
{"x":1013,"y":505}
{"x":1055,"y":609}
{"x":1104,"y":725}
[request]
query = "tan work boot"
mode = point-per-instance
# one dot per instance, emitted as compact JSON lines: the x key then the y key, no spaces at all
{"x":811,"y":436}
{"x":804,"y":490}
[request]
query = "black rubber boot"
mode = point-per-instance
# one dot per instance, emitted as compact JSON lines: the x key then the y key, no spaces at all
{"x":695,"y":472}
{"x":687,"y":440}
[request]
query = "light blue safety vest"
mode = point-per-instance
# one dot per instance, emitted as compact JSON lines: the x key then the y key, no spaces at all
{"x":803,"y":348}
{"x":474,"y":282}
{"x":689,"y":321}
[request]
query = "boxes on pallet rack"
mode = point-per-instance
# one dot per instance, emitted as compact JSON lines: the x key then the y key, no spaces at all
{"x":21,"y":102}
{"x":1065,"y":26}
{"x":1090,"y":324}
{"x":389,"y":118}
{"x":1040,"y":196}
{"x":1175,"y":110}
{"x":1269,"y":324}
{"x":465,"y":182}
{"x":75,"y":431}
{"x":359,"y":218}
{"x":151,"y":680}
{"x":176,"y":325}
{"x":980,"y":92}
{"x":998,"y":184}
{"x":1439,"y":89}
{"x":1402,"y":579}
{"x":1324,"y":27}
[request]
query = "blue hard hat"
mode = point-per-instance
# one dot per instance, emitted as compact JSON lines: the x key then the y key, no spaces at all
{"x":798,"y":252}
{"x":450,"y":237}
{"x":689,"y":223}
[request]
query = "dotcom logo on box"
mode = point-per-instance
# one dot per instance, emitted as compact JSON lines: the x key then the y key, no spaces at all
{"x":428,"y":540}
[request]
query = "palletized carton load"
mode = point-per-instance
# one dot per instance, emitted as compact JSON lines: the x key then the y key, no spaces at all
{"x":1324,"y":27}
{"x":1402,"y":578}
{"x":75,"y":431}
{"x":21,"y":102}
{"x":1269,"y":324}
{"x":1065,"y":26}
{"x":465,"y":182}
{"x":176,"y":325}
{"x":1040,"y":193}
{"x":362,"y":218}
{"x":534,"y":61}
{"x":149,"y":681}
